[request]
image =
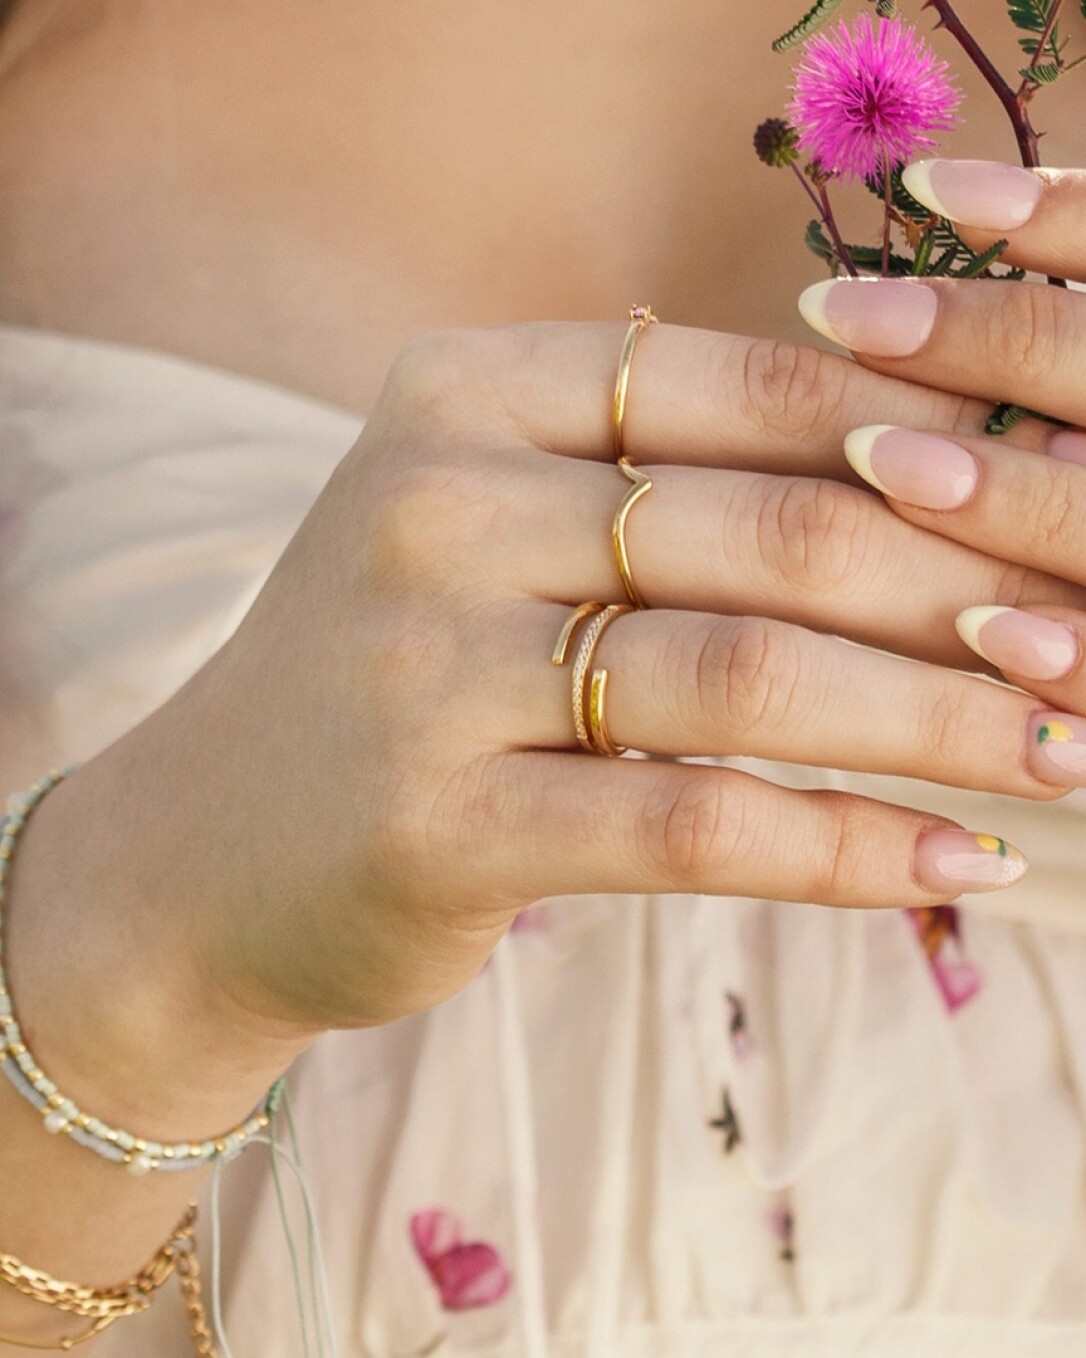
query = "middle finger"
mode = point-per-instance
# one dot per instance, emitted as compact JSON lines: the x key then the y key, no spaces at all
{"x":814,"y":552}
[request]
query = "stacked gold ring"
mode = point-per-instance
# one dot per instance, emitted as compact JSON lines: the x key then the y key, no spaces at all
{"x":589,"y":681}
{"x":641,"y":318}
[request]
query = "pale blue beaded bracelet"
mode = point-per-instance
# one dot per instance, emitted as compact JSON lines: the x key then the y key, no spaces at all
{"x":59,"y":1114}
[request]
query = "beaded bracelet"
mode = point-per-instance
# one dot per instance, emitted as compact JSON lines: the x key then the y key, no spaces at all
{"x":59,"y":1114}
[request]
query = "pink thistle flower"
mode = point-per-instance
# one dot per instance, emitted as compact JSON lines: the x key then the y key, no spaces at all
{"x":869,"y":95}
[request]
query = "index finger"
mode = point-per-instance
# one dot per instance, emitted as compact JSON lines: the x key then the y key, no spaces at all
{"x":696,"y":397}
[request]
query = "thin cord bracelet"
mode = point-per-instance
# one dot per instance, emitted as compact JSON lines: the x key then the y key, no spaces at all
{"x":138,"y":1154}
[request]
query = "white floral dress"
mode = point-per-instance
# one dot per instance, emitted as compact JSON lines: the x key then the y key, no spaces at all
{"x":683,"y":1126}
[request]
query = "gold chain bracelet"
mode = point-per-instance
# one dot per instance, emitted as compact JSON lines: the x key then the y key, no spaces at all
{"x":102,"y":1306}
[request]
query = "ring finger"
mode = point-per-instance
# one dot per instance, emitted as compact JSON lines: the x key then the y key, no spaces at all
{"x":691,"y":683}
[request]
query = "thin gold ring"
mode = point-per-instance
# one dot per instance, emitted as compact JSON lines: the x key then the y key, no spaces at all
{"x":589,"y":724}
{"x":642,"y":484}
{"x":640,"y":317}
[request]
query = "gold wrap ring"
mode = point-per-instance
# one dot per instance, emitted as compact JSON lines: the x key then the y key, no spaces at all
{"x":589,"y":685}
{"x":640,"y":318}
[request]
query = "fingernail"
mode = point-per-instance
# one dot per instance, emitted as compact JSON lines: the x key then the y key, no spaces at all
{"x":885,"y":317}
{"x":958,"y":860}
{"x":1057,"y":748}
{"x":918,"y":469}
{"x":1018,"y":642}
{"x":982,"y":193}
{"x":1069,"y":445}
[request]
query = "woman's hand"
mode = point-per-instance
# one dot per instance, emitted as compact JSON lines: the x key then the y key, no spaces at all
{"x":379,"y":770}
{"x":1024,"y":343}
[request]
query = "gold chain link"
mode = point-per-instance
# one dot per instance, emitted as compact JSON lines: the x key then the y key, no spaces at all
{"x":105,"y":1305}
{"x":188,"y":1273}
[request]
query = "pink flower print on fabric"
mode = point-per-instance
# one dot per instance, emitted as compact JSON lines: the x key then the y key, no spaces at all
{"x":938,"y":928}
{"x":466,"y":1274}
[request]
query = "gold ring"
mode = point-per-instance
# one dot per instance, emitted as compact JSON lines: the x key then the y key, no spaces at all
{"x":642,"y":484}
{"x":640,"y":317}
{"x":590,"y":684}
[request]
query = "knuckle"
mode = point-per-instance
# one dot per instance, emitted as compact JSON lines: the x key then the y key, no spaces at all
{"x":817,"y":535}
{"x":1052,"y":515}
{"x":1030,"y":342}
{"x":944,"y":722}
{"x":427,"y":378}
{"x":686,"y":833}
{"x":787,"y":388}
{"x":429,"y":518}
{"x":748,"y":670}
{"x":842,"y":866}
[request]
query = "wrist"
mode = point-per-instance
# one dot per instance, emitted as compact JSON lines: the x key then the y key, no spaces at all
{"x":106,"y":963}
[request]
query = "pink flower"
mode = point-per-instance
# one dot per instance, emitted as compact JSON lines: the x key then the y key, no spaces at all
{"x":466,"y":1275}
{"x":870,"y":94}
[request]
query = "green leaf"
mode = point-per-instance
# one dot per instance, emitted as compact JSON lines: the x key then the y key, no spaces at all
{"x":819,"y":13}
{"x":818,"y":243}
{"x":981,"y":263}
{"x":1003,"y":419}
{"x":1044,"y":73}
{"x":923,"y":254}
{"x":1031,"y":15}
{"x":943,"y":263}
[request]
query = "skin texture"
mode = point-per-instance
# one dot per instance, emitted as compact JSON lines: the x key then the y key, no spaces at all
{"x":141,"y":143}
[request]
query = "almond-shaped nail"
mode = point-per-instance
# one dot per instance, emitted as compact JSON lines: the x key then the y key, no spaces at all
{"x":951,"y":861}
{"x":1018,"y":642}
{"x":982,"y":193}
{"x":918,"y":469}
{"x":1069,"y":445}
{"x":1057,"y":748}
{"x":884,"y":317}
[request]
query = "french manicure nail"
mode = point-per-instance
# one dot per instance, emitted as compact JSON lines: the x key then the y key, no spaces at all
{"x":958,"y":860}
{"x":884,"y":317}
{"x":1069,"y":445}
{"x":918,"y":469}
{"x":1018,"y":642}
{"x":1057,"y":748}
{"x":983,"y":193}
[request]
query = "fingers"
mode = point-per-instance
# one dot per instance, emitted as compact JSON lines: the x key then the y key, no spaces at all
{"x":815,"y":552}
{"x":1019,"y":342}
{"x":695,"y":396}
{"x":1043,"y":651}
{"x":985,"y":493}
{"x":693,"y":684}
{"x":1038,"y":212}
{"x":561,"y":824}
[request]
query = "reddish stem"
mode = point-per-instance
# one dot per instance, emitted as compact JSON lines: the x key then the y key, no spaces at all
{"x":1038,"y":56}
{"x":1024,"y":132}
{"x":822,"y":207}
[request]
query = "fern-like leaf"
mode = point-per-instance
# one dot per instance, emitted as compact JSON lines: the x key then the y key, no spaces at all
{"x":1044,"y":73}
{"x":1003,"y":419}
{"x":980,"y":264}
{"x":1030,"y":15}
{"x":819,"y":13}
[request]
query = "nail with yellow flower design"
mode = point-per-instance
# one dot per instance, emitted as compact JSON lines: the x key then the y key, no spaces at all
{"x":953,"y":861}
{"x":1057,"y":748}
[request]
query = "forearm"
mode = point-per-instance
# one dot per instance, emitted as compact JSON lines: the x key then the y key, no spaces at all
{"x":104,"y":964}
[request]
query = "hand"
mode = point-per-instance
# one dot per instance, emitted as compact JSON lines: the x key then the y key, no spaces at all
{"x":1023,"y":343}
{"x":378,"y":771}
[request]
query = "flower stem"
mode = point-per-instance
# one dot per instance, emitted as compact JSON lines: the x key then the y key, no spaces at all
{"x":888,"y":200}
{"x":1015,"y":103}
{"x":822,"y":207}
{"x":1024,"y":132}
{"x":1023,"y":89}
